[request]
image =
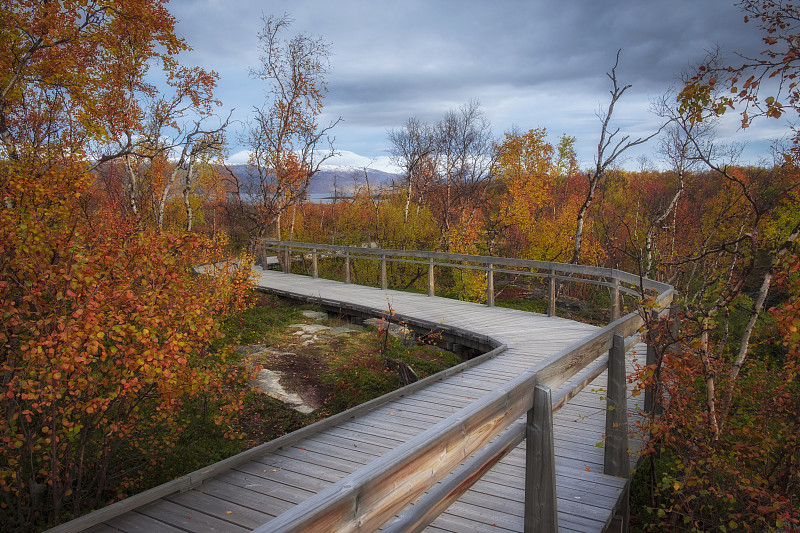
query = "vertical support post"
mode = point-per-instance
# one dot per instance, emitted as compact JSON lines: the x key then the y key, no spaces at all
{"x":490,"y":285}
{"x":616,"y":461}
{"x":675,"y":319}
{"x":431,"y":289}
{"x":384,"y":282}
{"x":650,"y":361}
{"x":615,"y":304}
{"x":347,"y":267}
{"x":288,"y":261}
{"x":314,"y":264}
{"x":541,"y":512}
{"x":551,"y":294}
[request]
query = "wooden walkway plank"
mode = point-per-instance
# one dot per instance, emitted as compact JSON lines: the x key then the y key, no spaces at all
{"x":135,"y":522}
{"x":273,"y":488}
{"x":188,"y":519}
{"x":245,"y":497}
{"x":201,"y":502}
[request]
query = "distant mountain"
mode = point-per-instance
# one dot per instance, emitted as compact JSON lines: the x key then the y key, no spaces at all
{"x":332,"y":178}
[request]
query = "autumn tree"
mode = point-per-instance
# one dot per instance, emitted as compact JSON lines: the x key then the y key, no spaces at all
{"x":533,"y":199}
{"x":448,"y":167}
{"x":411,"y":148}
{"x":701,"y":101}
{"x":731,"y":379}
{"x":173,"y":141}
{"x":640,"y":213}
{"x":465,"y":155}
{"x":285,"y":137}
{"x":678,"y":148}
{"x":105,"y":330}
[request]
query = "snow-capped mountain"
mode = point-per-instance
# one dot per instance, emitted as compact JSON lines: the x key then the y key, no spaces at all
{"x":330,"y":179}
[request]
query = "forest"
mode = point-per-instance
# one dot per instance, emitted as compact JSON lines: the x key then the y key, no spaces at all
{"x":113,"y":189}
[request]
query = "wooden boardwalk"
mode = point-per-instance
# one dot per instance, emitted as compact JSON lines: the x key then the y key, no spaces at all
{"x":248,"y":491}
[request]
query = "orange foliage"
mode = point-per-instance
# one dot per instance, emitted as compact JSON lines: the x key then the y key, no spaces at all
{"x":105,"y":328}
{"x":537,"y":202}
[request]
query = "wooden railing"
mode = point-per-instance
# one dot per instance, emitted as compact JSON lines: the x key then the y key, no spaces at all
{"x":617,"y":281}
{"x":471,"y":441}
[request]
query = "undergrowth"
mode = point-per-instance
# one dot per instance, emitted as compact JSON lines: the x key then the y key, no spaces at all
{"x":355,"y":373}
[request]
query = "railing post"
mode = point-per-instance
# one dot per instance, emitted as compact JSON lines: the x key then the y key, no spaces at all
{"x":551,"y":294}
{"x":347,"y":267}
{"x":314,"y":265}
{"x":650,"y":361}
{"x":490,"y":285}
{"x":384,"y":283}
{"x":288,"y":260}
{"x":431,"y":289}
{"x":675,"y":319}
{"x":541,"y":512}
{"x":616,"y":461}
{"x":615,"y":307}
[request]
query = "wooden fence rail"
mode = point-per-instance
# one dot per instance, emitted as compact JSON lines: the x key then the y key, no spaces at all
{"x":472,"y":440}
{"x":617,"y":281}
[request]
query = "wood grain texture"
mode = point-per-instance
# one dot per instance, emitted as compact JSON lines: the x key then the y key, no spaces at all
{"x":541,"y":508}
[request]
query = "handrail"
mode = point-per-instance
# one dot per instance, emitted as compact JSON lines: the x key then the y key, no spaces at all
{"x":617,"y":280}
{"x":368,"y":498}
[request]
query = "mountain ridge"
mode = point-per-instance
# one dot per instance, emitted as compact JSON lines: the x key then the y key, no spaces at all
{"x":332,"y":179}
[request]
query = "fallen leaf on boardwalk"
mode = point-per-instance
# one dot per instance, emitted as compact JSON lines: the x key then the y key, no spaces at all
{"x":228,"y":512}
{"x":587,"y":469}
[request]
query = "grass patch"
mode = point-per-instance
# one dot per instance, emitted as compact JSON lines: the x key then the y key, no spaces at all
{"x":532,"y":306}
{"x":264,"y":323}
{"x":351,"y":371}
{"x":357,"y":370}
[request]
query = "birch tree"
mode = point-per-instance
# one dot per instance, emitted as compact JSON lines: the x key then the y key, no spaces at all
{"x":285,"y":136}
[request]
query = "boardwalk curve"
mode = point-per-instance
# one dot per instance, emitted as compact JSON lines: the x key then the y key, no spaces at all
{"x":319,"y":467}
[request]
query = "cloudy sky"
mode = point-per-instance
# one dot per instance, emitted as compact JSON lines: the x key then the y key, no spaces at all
{"x":535,"y":63}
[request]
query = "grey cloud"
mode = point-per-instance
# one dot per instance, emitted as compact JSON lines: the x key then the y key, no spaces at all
{"x":539,"y":63}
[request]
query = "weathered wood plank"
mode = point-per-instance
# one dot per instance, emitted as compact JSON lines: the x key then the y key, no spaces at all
{"x":285,"y":471}
{"x":541,"y":510}
{"x":238,"y":515}
{"x":189,"y":519}
{"x":272,"y":488}
{"x":102,"y":528}
{"x":244,"y":497}
{"x":135,"y":522}
{"x":616,"y":445}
